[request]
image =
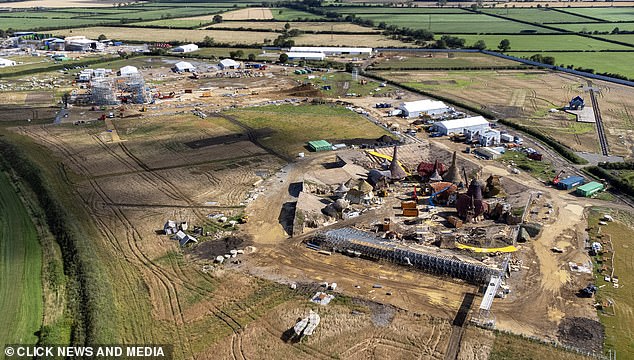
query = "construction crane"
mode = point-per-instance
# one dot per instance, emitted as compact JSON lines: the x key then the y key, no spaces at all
{"x":556,"y":178}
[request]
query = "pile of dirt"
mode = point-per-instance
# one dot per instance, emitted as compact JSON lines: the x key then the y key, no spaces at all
{"x":212,"y":248}
{"x":381,"y":314}
{"x":306,"y":90}
{"x":583,"y":333}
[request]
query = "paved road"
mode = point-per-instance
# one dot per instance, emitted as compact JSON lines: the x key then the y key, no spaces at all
{"x":603,"y":140}
{"x":60,"y":115}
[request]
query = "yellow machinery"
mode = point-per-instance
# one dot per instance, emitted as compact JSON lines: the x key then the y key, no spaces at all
{"x":386,"y":157}
{"x":506,"y":249}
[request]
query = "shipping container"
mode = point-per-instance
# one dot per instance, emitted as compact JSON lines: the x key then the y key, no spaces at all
{"x":570,"y":182}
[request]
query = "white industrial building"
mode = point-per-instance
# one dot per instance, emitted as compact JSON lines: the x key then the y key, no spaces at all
{"x":185,"y":48}
{"x":332,"y":50}
{"x":81,"y":43}
{"x":128,"y":71}
{"x":228,"y":64}
{"x":6,"y":62}
{"x":457,"y":126}
{"x":315,"y":56}
{"x":487,"y":137}
{"x":184,"y":66}
{"x":424,"y":107}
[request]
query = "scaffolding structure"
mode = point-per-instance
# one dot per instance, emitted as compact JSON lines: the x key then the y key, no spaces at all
{"x":349,"y":240}
{"x":109,"y":91}
{"x":134,"y":85}
{"x":102,"y":92}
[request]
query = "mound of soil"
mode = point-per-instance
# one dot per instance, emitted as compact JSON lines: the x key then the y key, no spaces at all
{"x":306,"y":90}
{"x":582,"y":333}
{"x":212,"y":248}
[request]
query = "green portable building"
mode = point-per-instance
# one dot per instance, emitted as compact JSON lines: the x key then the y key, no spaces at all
{"x":589,"y":189}
{"x":319,"y":145}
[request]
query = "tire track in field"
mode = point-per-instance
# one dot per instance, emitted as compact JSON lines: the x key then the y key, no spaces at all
{"x":173,"y":191}
{"x":102,"y":227}
{"x":132,"y":237}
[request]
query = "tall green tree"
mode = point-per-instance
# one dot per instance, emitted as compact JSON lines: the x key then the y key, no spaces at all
{"x":505,"y":45}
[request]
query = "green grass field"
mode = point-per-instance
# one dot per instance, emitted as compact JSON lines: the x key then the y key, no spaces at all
{"x":341,"y":84}
{"x":453,"y":23}
{"x":600,"y":27}
{"x":394,"y":10}
{"x":295,"y":125}
{"x":284,"y":14}
{"x":20,"y":270}
{"x":545,"y":42}
{"x":512,"y":347}
{"x":605,"y":13}
{"x":619,"y":328}
{"x":444,"y":60}
{"x":626,"y":38}
{"x":44,"y":23}
{"x":605,"y":62}
{"x":157,"y":14}
{"x":539,"y":169}
{"x":174,"y":23}
{"x":540,"y":16}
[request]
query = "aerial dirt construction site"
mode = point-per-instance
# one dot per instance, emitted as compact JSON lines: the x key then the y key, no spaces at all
{"x":257,"y":210}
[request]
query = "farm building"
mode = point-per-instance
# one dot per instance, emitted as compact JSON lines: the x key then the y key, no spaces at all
{"x":185,"y":48}
{"x":423,"y":107}
{"x":319,"y":145}
{"x":184,"y":66}
{"x":128,"y":71}
{"x":6,"y":62}
{"x":576,"y":103}
{"x":473,"y":124}
{"x":331,"y":50}
{"x":316,"y":56}
{"x":228,"y":64}
{"x":570,"y":182}
{"x":589,"y":189}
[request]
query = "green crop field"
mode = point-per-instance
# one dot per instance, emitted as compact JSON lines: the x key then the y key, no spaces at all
{"x":626,"y":38}
{"x":394,"y":10}
{"x":540,"y":16}
{"x":444,"y":60}
{"x":600,"y":27}
{"x":43,"y":23}
{"x":293,"y":126}
{"x":157,"y":14}
{"x":545,"y":42}
{"x":174,"y":23}
{"x":618,"y":320}
{"x":20,"y":270}
{"x":284,"y":14}
{"x":605,"y":62}
{"x":39,"y":14}
{"x":454,"y":23}
{"x":606,"y":13}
